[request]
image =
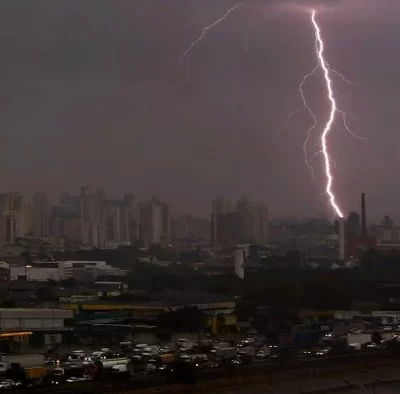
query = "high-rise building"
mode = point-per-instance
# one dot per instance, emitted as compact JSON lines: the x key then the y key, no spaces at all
{"x":84,"y":209}
{"x":65,"y":219}
{"x":166,"y":223}
{"x":220,"y":206}
{"x":129,"y":204}
{"x":16,"y":213}
{"x":3,"y":228}
{"x":246,"y":209}
{"x":187,"y":227}
{"x":93,"y":226}
{"x":353,"y":225}
{"x":40,"y":215}
{"x":117,"y":220}
{"x":11,"y":228}
{"x":154,"y":222}
{"x":255,"y":220}
{"x":70,"y":204}
{"x":4,"y":218}
{"x":179,"y":230}
{"x":261,"y":224}
{"x":229,"y":229}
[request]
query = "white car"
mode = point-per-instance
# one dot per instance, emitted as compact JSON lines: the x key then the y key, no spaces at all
{"x":185,"y":358}
{"x":263,"y":353}
{"x":182,"y":342}
{"x":7,"y":384}
{"x":72,"y":379}
{"x":84,"y":378}
{"x":97,"y":354}
{"x":79,"y":353}
{"x":120,"y":368}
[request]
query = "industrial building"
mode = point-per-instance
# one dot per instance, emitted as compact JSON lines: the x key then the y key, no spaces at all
{"x":146,"y":307}
{"x":61,"y":270}
{"x":140,"y":314}
{"x":35,"y":327}
{"x":152,"y":304}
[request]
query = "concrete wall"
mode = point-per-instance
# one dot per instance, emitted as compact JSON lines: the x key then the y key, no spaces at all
{"x":394,"y":316}
{"x":33,"y":319}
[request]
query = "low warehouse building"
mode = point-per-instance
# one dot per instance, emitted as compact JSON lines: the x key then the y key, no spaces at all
{"x":35,"y":327}
{"x":146,"y":307}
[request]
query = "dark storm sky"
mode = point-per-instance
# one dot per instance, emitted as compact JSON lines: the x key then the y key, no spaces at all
{"x":91,"y":92}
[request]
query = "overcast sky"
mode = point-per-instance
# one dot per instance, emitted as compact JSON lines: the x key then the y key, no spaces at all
{"x":91,"y":92}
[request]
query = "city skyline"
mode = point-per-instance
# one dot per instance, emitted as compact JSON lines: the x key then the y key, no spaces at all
{"x":206,"y":205}
{"x":90,"y":219}
{"x":78,"y":104}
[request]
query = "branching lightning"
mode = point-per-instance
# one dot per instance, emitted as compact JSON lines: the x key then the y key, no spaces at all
{"x":323,"y":147}
{"x":347,"y":127}
{"x":327,"y":73}
{"x":313,"y":117}
{"x":328,"y":127}
{"x":341,"y":76}
{"x":206,"y":30}
{"x":320,"y":152}
{"x":287,"y":120}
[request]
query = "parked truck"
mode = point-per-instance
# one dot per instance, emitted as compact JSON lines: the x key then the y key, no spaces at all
{"x":357,"y":340}
{"x":35,"y":372}
{"x":69,"y":371}
{"x":109,"y":363}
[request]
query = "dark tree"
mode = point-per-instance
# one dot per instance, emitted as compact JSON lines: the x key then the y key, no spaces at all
{"x":45,"y":294}
{"x":294,"y":259}
{"x":164,"y":334}
{"x":189,"y":319}
{"x":16,"y":373}
{"x":70,"y":283}
{"x":8,"y":304}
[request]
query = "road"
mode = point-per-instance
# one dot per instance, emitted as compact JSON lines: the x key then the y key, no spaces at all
{"x":288,"y":372}
{"x":392,"y":389}
{"x":384,"y":389}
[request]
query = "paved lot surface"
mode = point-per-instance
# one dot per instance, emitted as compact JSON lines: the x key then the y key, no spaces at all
{"x":376,"y":382}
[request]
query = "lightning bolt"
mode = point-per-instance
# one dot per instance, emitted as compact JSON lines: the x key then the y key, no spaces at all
{"x":320,"y":152}
{"x":206,"y":30}
{"x":323,"y":147}
{"x":313,"y":117}
{"x":341,"y":76}
{"x":333,"y":111}
{"x":347,"y":127}
{"x":287,"y":120}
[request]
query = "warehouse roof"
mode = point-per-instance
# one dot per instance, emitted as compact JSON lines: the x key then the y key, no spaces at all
{"x":17,"y":285}
{"x":165,"y":298}
{"x":190,"y":297}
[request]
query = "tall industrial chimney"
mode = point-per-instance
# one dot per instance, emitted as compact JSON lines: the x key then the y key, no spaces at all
{"x":342,"y":241}
{"x":363,"y":217}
